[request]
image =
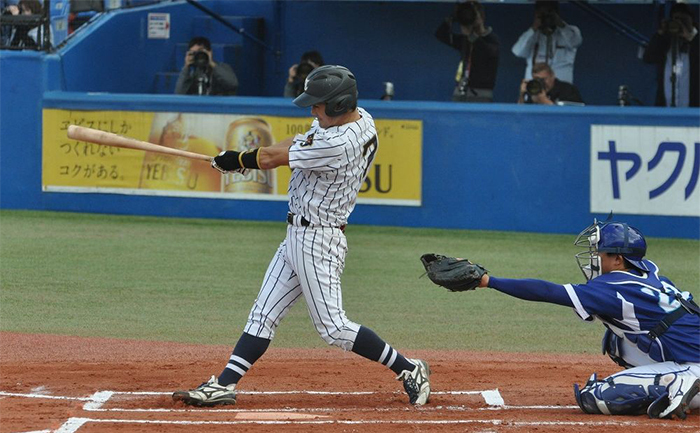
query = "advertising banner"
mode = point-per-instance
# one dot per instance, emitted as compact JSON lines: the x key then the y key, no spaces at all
{"x":645,"y":170}
{"x":75,"y":166}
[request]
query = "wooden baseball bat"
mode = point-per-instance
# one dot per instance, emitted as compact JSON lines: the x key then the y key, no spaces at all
{"x":82,"y":133}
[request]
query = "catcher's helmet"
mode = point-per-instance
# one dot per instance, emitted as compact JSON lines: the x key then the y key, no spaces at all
{"x":610,"y":237}
{"x":333,"y":85}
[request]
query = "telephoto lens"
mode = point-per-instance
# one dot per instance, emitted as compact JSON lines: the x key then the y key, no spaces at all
{"x":674,"y":27}
{"x":548,"y":23}
{"x":534,"y":86}
{"x":201,"y":59}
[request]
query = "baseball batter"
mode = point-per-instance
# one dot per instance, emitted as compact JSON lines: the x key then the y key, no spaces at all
{"x":652,"y":327}
{"x":329,"y":163}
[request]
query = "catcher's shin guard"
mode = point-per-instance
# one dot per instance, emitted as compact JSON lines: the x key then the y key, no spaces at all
{"x":621,"y":394}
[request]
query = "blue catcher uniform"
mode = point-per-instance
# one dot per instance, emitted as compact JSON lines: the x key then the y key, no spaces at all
{"x":652,"y":327}
{"x":630,"y":305}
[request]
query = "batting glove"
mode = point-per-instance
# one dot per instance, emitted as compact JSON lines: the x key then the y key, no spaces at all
{"x":227,"y":161}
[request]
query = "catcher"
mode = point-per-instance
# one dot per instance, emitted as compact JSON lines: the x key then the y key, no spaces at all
{"x":652,"y":328}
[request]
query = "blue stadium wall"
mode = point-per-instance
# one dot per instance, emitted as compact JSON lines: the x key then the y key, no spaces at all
{"x":487,"y":167}
{"x":380,"y":41}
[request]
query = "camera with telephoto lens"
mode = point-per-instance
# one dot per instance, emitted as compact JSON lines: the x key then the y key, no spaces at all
{"x":466,"y":14}
{"x":548,"y":22}
{"x":674,"y":27}
{"x":535,"y":86}
{"x":200,"y":60}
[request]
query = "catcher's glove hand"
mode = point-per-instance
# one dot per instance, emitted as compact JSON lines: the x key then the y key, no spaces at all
{"x":456,"y":275}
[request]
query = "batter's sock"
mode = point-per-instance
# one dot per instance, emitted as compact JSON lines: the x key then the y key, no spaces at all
{"x":369,"y":345}
{"x":248,"y":350}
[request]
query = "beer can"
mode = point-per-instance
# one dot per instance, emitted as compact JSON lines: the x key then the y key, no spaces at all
{"x":246,"y":134}
{"x":167,"y":172}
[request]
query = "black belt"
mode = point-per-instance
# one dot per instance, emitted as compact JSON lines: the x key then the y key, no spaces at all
{"x":304,"y":222}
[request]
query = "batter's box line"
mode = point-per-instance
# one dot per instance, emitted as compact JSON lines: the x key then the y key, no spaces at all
{"x":73,"y":424}
{"x":492,"y":397}
{"x":98,"y":399}
{"x":294,"y":410}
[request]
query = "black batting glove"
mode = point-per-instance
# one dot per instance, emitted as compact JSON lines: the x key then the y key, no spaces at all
{"x":226,"y":161}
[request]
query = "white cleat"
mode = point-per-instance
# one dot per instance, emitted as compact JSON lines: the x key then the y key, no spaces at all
{"x":680,"y":393}
{"x":417,"y":382}
{"x":208,"y":394}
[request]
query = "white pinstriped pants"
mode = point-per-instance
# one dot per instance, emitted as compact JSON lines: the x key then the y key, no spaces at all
{"x":308,"y":262}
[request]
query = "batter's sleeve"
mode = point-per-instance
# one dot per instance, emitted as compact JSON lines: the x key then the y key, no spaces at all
{"x":318,"y":153}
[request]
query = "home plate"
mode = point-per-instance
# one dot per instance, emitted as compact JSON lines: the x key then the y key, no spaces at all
{"x":275,"y":416}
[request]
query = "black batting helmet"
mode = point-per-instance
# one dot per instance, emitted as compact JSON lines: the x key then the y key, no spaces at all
{"x":332,"y":84}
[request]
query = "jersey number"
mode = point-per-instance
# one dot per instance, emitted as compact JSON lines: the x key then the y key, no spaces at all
{"x":372,"y":143}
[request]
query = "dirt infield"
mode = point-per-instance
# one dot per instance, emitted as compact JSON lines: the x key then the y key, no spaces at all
{"x":87,"y":385}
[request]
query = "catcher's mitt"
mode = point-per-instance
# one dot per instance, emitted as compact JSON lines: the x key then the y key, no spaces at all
{"x":456,"y":275}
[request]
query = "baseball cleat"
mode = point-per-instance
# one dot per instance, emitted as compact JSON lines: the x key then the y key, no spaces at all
{"x":208,"y":394}
{"x":417,"y":382}
{"x":680,"y":393}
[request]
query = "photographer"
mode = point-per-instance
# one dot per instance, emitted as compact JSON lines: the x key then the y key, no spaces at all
{"x":24,"y":35}
{"x":201,"y":75}
{"x":294,"y":86}
{"x":546,"y":89}
{"x":674,"y":49}
{"x":478,"y":46}
{"x":550,"y":40}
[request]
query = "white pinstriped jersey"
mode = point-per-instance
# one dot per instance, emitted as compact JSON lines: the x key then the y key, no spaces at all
{"x":330,"y":166}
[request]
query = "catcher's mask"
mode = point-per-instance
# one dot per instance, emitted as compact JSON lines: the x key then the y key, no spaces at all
{"x":610,"y":237}
{"x":333,"y":85}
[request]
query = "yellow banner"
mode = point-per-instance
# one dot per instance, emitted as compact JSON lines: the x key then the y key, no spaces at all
{"x":75,"y":166}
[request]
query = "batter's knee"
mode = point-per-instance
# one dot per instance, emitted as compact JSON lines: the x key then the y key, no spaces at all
{"x":343,"y":337}
{"x":261,"y":327}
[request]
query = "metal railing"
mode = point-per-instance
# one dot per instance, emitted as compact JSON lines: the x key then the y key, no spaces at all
{"x":617,"y":25}
{"x":15,"y":31}
{"x":227,"y":24}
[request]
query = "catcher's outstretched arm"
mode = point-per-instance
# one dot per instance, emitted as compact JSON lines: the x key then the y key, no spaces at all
{"x":532,"y":290}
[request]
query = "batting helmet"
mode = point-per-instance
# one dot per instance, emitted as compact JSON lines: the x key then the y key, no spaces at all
{"x":333,"y":85}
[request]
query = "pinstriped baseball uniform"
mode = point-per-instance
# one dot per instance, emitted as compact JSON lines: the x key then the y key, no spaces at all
{"x":329,"y":167}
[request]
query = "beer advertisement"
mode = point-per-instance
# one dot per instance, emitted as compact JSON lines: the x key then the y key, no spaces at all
{"x":75,"y":166}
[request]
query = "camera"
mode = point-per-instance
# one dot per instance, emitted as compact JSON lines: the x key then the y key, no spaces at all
{"x":548,"y":22}
{"x":466,"y":14}
{"x":623,"y":96}
{"x":200,"y":60}
{"x":303,"y":70}
{"x":388,"y":91}
{"x":535,"y":86}
{"x":674,"y":27}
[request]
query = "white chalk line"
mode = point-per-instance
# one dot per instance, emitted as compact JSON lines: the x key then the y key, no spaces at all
{"x":310,"y":392}
{"x":492,"y":397}
{"x":55,"y":397}
{"x":98,"y":399}
{"x":335,"y":409}
{"x":73,"y":424}
{"x":95,"y":402}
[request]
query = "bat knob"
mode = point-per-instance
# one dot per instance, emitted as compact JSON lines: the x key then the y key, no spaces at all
{"x":72,"y":129}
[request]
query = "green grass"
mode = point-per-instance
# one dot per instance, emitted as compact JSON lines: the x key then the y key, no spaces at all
{"x":193,"y":280}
